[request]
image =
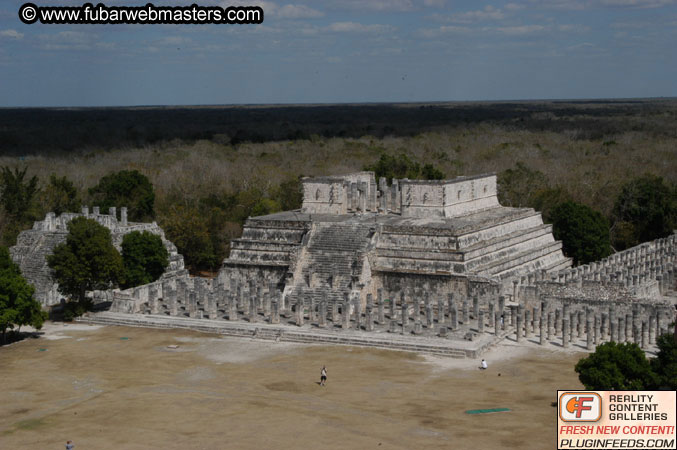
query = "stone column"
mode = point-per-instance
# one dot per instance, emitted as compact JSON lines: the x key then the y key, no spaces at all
{"x":358,"y":314}
{"x":322,"y":314}
{"x":300,"y":314}
{"x":392,"y":306}
{"x":518,"y":328}
{"x":369,"y":326}
{"x":475,"y":307}
{"x":345,"y":314}
{"x":450,"y":305}
{"x":466,"y":313}
{"x":613,"y":329}
{"x":652,"y":329}
{"x":527,"y":323}
{"x":381,"y":309}
{"x":542,"y":325}
{"x":192,"y":304}
{"x":430,"y":320}
{"x":621,"y":329}
{"x":441,"y":316}
{"x":213,"y":308}
{"x":492,"y":317}
{"x":645,"y":334}
{"x":628,"y":328}
{"x":589,"y":333}
{"x":232,"y":308}
{"x":275,"y":312}
{"x":405,"y":315}
{"x":497,"y":323}
{"x":565,"y":332}
{"x":558,"y":321}
{"x":453,"y":317}
{"x":480,"y":322}
{"x":598,"y":330}
{"x":417,"y":308}
{"x":252,"y":309}
{"x":551,"y":324}
{"x":335,"y":316}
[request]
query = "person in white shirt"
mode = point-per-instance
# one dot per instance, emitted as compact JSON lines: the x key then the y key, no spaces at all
{"x":323,"y":376}
{"x":484,"y":365}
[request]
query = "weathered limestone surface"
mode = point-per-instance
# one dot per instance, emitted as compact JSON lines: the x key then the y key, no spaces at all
{"x":34,"y":245}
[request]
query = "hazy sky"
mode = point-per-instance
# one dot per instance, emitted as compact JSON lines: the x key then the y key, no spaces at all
{"x":348,"y":51}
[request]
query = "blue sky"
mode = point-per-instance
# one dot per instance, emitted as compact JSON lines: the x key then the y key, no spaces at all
{"x":348,"y":51}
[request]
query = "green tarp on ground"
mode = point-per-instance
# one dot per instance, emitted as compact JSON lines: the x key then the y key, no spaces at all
{"x":486,"y":411}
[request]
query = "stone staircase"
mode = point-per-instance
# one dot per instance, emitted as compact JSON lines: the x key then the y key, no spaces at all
{"x":264,"y":243}
{"x":333,"y":256}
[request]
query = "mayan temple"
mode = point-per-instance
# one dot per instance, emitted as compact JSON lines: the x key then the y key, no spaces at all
{"x":353,"y":235}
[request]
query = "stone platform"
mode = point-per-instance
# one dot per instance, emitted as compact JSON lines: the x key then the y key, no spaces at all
{"x":307,"y":334}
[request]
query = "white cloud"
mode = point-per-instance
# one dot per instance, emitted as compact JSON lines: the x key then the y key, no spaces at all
{"x":380,"y":5}
{"x":521,"y":30}
{"x":637,"y":3}
{"x":12,"y":34}
{"x":354,"y":27}
{"x":298,"y":12}
{"x":488,"y":13}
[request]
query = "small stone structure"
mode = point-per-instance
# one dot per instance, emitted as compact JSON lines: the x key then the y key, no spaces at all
{"x":441,"y":261}
{"x":33,"y":246}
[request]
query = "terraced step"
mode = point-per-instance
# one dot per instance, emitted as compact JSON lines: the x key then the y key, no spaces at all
{"x":436,"y":346}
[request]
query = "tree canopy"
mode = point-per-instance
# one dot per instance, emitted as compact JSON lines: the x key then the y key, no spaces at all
{"x":128,"y":188}
{"x":17,"y":305}
{"x":583,"y":231}
{"x":615,"y":366}
{"x":144,"y":257}
{"x":402,"y":166}
{"x":60,"y":195}
{"x":87,"y":261}
{"x":665,"y":362}
{"x":646,"y":209}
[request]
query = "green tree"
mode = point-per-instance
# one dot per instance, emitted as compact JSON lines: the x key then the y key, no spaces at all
{"x":60,"y":195}
{"x":646,"y":209}
{"x":583,"y":231}
{"x":665,"y":362}
{"x":188,"y":229}
{"x":402,"y":166}
{"x":18,"y":194}
{"x":87,"y":261}
{"x":128,"y":188}
{"x":615,"y":366}
{"x":144,"y":257}
{"x":518,"y":186}
{"x":289,"y":194}
{"x":17,"y":198}
{"x":17,"y":305}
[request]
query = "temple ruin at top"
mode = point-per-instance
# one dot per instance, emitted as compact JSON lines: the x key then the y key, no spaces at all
{"x":440,"y":259}
{"x":354,"y":235}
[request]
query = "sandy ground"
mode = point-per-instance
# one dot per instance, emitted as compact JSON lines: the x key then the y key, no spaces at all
{"x":124,"y":388}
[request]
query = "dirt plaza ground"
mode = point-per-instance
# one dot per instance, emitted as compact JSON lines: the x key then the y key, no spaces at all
{"x":128,"y":388}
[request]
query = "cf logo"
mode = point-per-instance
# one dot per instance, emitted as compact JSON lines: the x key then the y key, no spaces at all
{"x":580,"y":406}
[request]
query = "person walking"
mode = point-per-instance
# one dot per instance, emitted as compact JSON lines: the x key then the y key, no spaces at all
{"x":484,"y":365}
{"x":323,"y":376}
{"x":69,"y":445}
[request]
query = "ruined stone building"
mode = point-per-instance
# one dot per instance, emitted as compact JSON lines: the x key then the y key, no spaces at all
{"x":438,"y":259}
{"x":34,"y":245}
